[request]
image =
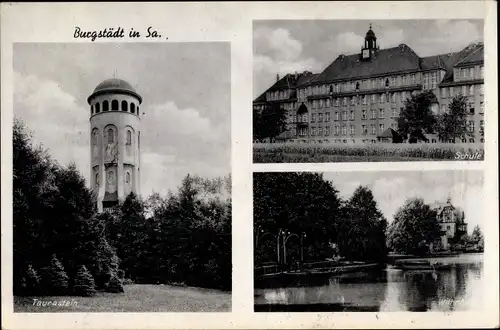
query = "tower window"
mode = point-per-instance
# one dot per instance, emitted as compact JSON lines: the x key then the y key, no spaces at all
{"x":105,"y":106}
{"x":91,"y":110}
{"x":132,"y":107}
{"x":124,"y":105}
{"x":111,"y":137}
{"x":127,"y":177}
{"x":94,"y":137}
{"x":97,"y":107}
{"x":357,"y":86}
{"x":138,"y":110}
{"x":110,"y":176}
{"x":97,"y":179}
{"x":114,"y":105}
{"x":387,"y":82}
{"x":129,"y":137}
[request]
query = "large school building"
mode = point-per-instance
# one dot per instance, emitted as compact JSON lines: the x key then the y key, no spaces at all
{"x":358,"y":97}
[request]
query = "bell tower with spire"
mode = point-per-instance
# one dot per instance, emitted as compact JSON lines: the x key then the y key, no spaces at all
{"x":370,"y":47}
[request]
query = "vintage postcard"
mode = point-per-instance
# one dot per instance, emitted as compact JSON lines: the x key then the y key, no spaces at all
{"x":381,"y":241}
{"x":368,"y":90}
{"x":246,"y":165}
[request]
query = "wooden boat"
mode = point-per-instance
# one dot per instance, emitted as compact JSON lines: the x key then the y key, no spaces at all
{"x":420,"y":265}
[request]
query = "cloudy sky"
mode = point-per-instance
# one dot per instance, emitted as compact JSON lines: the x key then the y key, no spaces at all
{"x":391,"y":189}
{"x":286,"y":46}
{"x":186,"y":99}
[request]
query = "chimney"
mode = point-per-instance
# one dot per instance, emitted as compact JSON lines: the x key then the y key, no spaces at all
{"x":277,"y":77}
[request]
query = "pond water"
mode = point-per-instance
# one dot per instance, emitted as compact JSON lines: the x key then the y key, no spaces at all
{"x":459,"y":288}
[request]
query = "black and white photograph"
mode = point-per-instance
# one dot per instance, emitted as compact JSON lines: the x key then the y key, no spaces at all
{"x":368,"y":90}
{"x":368,"y":241}
{"x":122,"y":177}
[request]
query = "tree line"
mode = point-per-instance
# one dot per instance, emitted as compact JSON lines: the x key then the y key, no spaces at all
{"x":354,"y":229}
{"x":414,"y":121}
{"x":63,"y":246}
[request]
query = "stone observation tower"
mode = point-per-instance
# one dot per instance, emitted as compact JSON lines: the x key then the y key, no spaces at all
{"x":115,"y":141}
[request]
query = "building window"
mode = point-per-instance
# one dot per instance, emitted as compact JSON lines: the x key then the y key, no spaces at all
{"x":373,"y":128}
{"x":111,"y":136}
{"x":374,"y":114}
{"x":393,"y":97}
{"x":471,"y":126}
{"x":403,"y":80}
{"x":327,"y":130}
{"x":105,"y":105}
{"x":464,"y":90}
{"x":387,"y":82}
{"x":394,"y":113}
{"x":381,"y":128}
{"x":132,"y":107}
{"x":471,"y":90}
{"x":413,"y":79}
{"x":320,"y":118}
{"x":481,"y":108}
{"x":313,"y":131}
{"x":352,"y":115}
{"x":472,"y":141}
{"x":124,"y":105}
{"x":344,"y":101}
{"x":471,"y":73}
{"x":337,"y":102}
{"x":364,"y":129}
{"x":353,"y":129}
{"x":393,"y":81}
{"x":481,"y":125}
{"x":381,"y":113}
{"x":451,"y":91}
{"x":433,"y":79}
{"x":363,"y":114}
{"x":403,"y":96}
{"x":321,"y":103}
{"x":336,"y":129}
{"x":313,"y":117}
{"x":97,"y":107}
{"x":357,"y":86}
{"x":328,"y":103}
{"x":471,"y":108}
{"x":327,"y":117}
{"x":97,"y":180}
{"x":374,"y":83}
{"x":114,"y":105}
{"x":482,"y":72}
{"x":481,"y":89}
{"x":127,"y":177}
{"x":344,"y":130}
{"x":364,"y":99}
{"x":336,"y":115}
{"x":129,"y":137}
{"x":344,"y":115}
{"x":382,"y":98}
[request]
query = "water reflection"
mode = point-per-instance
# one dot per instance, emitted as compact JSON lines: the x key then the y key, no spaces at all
{"x":456,"y":289}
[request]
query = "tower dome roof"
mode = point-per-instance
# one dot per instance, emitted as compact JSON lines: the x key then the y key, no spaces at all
{"x":370,"y":33}
{"x":114,"y":85}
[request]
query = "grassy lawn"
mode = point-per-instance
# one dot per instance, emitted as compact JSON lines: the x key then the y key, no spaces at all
{"x":325,"y":153}
{"x":136,"y":298}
